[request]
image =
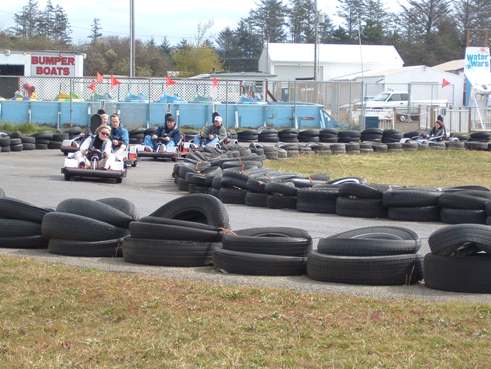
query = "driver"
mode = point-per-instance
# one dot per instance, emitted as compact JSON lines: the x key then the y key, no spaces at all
{"x":119,"y":136}
{"x":212,"y":135}
{"x":166,"y":138}
{"x":438,"y":132}
{"x":100,"y":142}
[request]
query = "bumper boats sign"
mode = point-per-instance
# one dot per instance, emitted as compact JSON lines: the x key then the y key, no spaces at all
{"x":53,"y":65}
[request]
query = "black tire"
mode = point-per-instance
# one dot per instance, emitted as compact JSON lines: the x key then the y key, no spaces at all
{"x":461,"y":216}
{"x":449,"y":240}
{"x":5,"y":148}
{"x":257,"y":264}
{"x":177,"y":222}
{"x":123,"y":205}
{"x":65,"y":226}
{"x":28,"y":146}
{"x":410,"y":198}
{"x":371,"y":241}
{"x":16,"y":148}
{"x":28,"y":140}
{"x":231,"y":182}
{"x":41,"y":146}
{"x":365,"y":270}
{"x":24,"y":242}
{"x":15,"y":209}
{"x":232,"y":195}
{"x":468,"y":274}
{"x":95,"y":210}
{"x":4,"y":141}
{"x":317,"y":201}
{"x":155,"y":231}
{"x":281,"y":188}
{"x":473,"y":200}
{"x":281,"y":202}
{"x":360,"y":208}
{"x":166,"y":252}
{"x":18,"y":228}
{"x":182,"y":185}
{"x":200,"y":208}
{"x":106,"y":248}
{"x":361,"y":190}
{"x":415,"y":214}
{"x":256,"y":199}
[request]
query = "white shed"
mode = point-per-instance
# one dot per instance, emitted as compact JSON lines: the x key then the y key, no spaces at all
{"x":422,"y":82}
{"x":296,"y":61}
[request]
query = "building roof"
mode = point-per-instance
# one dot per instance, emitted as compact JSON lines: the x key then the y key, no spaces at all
{"x":451,"y":66}
{"x":27,"y":52}
{"x":381,"y":72}
{"x":235,"y":76}
{"x":333,"y":53}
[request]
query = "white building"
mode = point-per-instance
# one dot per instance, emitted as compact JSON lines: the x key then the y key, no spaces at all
{"x":422,"y":82}
{"x":296,"y":61}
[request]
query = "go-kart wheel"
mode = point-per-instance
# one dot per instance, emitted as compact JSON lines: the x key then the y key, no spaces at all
{"x":133,"y":164}
{"x":119,"y":180}
{"x":67,"y":177}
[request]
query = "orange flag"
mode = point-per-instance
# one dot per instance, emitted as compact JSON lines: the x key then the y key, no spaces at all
{"x":445,"y":83}
{"x":92,"y":86}
{"x":169,"y":81}
{"x":215,"y":82}
{"x":114,"y":81}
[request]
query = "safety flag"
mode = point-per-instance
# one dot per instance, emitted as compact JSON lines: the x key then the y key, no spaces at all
{"x":169,"y":81}
{"x":445,"y":83}
{"x":215,"y":82}
{"x":99,"y":77}
{"x":92,"y":86}
{"x":114,"y":81}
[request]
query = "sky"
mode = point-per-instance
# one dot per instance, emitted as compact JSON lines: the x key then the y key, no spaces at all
{"x":155,"y":18}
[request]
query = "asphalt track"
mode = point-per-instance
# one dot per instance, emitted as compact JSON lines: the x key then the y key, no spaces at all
{"x":35,"y":176}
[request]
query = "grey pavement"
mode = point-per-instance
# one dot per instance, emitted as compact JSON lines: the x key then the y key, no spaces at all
{"x":35,"y":177}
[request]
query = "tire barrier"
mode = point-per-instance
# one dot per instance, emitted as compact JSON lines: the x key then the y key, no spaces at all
{"x":460,"y":259}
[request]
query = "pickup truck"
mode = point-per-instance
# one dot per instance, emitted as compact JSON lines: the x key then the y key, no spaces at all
{"x":399,"y":99}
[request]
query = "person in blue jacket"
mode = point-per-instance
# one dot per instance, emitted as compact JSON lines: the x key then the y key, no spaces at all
{"x":119,"y":135}
{"x":166,"y":138}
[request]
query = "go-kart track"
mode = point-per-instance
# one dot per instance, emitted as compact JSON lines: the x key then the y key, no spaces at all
{"x":37,"y":179}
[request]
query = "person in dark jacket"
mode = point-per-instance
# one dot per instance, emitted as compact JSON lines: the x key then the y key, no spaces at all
{"x":166,"y":138}
{"x":212,"y":135}
{"x":438,"y":132}
{"x":119,"y":137}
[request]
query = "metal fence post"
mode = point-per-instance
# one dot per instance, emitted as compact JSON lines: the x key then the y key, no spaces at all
{"x":148,"y":108}
{"x":226,"y":106}
{"x":71,"y":93}
{"x":295,"y":122}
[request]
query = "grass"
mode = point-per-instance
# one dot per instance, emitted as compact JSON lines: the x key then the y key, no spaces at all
{"x":54,"y":316}
{"x":26,"y":128}
{"x":422,"y":168}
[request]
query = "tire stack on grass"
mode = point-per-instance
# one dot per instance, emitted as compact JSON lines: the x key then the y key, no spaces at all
{"x":56,"y":141}
{"x":73,"y":132}
{"x":352,"y":148}
{"x":328,"y":135}
{"x":321,"y":149}
{"x":137,"y":136}
{"x":437,"y":146}
{"x":391,"y":136}
{"x":43,"y":139}
{"x":309,"y":135}
{"x":268,"y":135}
{"x":460,"y":259}
{"x":372,"y":135}
{"x":455,"y":145}
{"x":465,"y":206}
{"x":410,"y":146}
{"x":81,"y":227}
{"x":361,"y":201}
{"x":292,"y":150}
{"x":20,"y":224}
{"x":271,"y":152}
{"x":168,"y":242}
{"x":338,"y":148}
{"x":366,"y":148}
{"x":264,"y":251}
{"x":368,"y":256}
{"x":477,"y":145}
{"x":349,"y":136}
{"x":288,"y":135}
{"x":380,"y":147}
{"x":419,"y":205}
{"x":28,"y":142}
{"x":16,"y":144}
{"x":248,"y":135}
{"x":394,"y":147}
{"x":281,"y":195}
{"x":4,"y":144}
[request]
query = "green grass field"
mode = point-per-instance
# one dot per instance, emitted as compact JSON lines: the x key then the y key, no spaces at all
{"x":421,"y":168}
{"x":55,"y":316}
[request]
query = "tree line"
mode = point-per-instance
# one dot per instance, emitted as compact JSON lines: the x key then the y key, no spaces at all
{"x":424,"y":32}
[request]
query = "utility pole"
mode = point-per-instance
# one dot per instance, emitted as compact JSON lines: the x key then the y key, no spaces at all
{"x":316,"y":45}
{"x":132,"y":38}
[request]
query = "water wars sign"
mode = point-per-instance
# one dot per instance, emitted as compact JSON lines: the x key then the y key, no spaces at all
{"x":477,"y":58}
{"x":53,"y":65}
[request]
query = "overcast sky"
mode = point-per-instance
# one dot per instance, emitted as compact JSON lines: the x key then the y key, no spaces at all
{"x":155,"y":18}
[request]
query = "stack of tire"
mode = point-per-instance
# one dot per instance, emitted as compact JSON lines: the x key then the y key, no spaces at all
{"x":263,"y":251}
{"x":233,"y":187}
{"x":182,"y":233}
{"x":4,"y":143}
{"x":412,"y":204}
{"x":321,"y":149}
{"x":372,"y":135}
{"x":56,"y":141}
{"x":349,"y":136}
{"x":248,"y":135}
{"x":361,"y":200}
{"x":28,"y":142}
{"x":478,"y":141}
{"x":309,"y":135}
{"x":73,"y":132}
{"x":20,"y":224}
{"x":268,"y":135}
{"x":352,"y":148}
{"x":368,"y":256}
{"x":328,"y":135}
{"x":288,"y":135}
{"x":42,"y":140}
{"x":317,"y":200}
{"x":281,"y":195}
{"x":460,"y":259}
{"x":366,"y":148}
{"x":16,"y":142}
{"x":81,"y":227}
{"x":392,"y":138}
{"x":292,"y":149}
{"x":137,"y":136}
{"x":338,"y":148}
{"x":464,"y":206}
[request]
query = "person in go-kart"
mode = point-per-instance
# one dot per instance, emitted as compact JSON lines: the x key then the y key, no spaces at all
{"x":166,"y":138}
{"x":120,"y":137}
{"x":212,"y":135}
{"x":96,"y":147}
{"x":438,"y":132}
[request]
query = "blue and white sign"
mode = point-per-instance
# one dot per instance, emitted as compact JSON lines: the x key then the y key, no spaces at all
{"x":477,"y":58}
{"x":477,"y":71}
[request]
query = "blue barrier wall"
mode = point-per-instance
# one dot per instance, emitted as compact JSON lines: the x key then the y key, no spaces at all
{"x":136,"y":114}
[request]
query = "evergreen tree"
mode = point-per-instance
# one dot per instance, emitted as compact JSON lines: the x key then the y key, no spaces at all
{"x":352,"y":12}
{"x":95,"y":31}
{"x":301,"y":21}
{"x":269,"y":20}
{"x":228,"y":48}
{"x":472,"y":15}
{"x":165,"y":47}
{"x":250,"y":46}
{"x":27,"y":20}
{"x":374,"y":22}
{"x":61,"y":30}
{"x":46,"y":22}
